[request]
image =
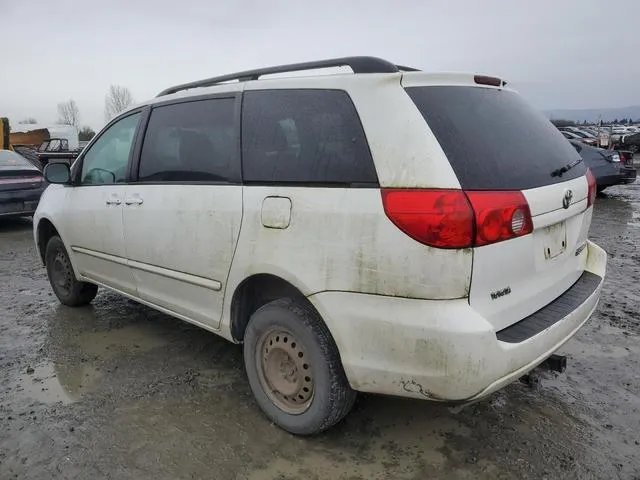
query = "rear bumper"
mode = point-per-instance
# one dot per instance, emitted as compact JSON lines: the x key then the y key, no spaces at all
{"x":440,"y":350}
{"x":609,"y":180}
{"x":628,"y":175}
{"x":19,"y":202}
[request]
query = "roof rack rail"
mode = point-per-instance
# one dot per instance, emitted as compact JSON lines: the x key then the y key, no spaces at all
{"x":357,"y":64}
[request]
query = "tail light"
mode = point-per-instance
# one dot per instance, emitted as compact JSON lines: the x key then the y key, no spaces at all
{"x":625,"y":157}
{"x":439,"y":218}
{"x":591,"y":195}
{"x":500,"y":216}
{"x":458,"y":219}
{"x":614,"y":157}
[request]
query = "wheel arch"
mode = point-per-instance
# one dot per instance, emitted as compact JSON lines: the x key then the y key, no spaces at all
{"x":254,"y":292}
{"x":257,"y":290}
{"x":44,"y":231}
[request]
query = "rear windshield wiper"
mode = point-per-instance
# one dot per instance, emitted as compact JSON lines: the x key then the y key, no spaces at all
{"x":559,"y":171}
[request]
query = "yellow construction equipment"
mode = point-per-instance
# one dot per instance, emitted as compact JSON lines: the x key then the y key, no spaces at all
{"x":4,"y":134}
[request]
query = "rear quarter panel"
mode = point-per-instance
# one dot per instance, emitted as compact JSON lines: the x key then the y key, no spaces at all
{"x":341,"y":240}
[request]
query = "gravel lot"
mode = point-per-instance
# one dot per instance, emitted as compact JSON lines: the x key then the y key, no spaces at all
{"x":117,"y":390}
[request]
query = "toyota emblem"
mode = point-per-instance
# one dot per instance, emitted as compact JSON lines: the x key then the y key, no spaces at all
{"x":566,"y":200}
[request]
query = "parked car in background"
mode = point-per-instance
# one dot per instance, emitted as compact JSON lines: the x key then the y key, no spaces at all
{"x":21,"y":185}
{"x":583,"y":132}
{"x":56,"y":149}
{"x":624,"y":130}
{"x":628,"y":169}
{"x":580,"y":136}
{"x":570,"y":135}
{"x":630,"y":141}
{"x":606,"y":165}
{"x":387,"y":230}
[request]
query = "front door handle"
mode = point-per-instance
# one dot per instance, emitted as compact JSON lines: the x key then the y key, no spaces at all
{"x":133,"y":201}
{"x":113,"y":200}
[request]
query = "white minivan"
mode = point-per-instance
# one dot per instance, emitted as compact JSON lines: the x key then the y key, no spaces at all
{"x":387,"y":230}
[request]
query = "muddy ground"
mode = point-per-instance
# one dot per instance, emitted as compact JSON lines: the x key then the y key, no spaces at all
{"x":119,"y":391}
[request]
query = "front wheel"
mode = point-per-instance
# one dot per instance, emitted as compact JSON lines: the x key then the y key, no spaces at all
{"x":63,"y":281}
{"x":294,"y":368}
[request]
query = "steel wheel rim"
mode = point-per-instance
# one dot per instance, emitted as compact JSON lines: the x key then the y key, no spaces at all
{"x":284,"y":371}
{"x":61,"y":273}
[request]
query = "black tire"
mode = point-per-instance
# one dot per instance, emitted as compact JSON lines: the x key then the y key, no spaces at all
{"x":63,"y":281}
{"x":601,"y":189}
{"x":332,"y":397}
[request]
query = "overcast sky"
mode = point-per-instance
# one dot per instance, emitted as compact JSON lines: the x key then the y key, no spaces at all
{"x":558,"y":53}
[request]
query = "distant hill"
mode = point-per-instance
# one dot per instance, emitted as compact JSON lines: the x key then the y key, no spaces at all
{"x":594,"y":114}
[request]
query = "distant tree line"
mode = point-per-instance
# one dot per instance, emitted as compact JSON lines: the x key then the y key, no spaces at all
{"x":86,"y":133}
{"x":116,"y":100}
{"x":559,"y":122}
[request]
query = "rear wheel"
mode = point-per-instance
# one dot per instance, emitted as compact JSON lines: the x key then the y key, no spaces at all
{"x":63,"y":281}
{"x":294,"y":368}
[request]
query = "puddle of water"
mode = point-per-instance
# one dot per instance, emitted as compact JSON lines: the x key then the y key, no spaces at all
{"x":385,"y":454}
{"x":52,"y":385}
{"x":140,"y":338}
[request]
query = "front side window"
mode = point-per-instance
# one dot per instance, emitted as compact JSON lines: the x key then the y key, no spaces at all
{"x":193,"y":141}
{"x":107,"y":160}
{"x":311,"y":137}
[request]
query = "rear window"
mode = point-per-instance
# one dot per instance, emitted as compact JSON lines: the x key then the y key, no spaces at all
{"x":493,"y":139}
{"x":11,"y":159}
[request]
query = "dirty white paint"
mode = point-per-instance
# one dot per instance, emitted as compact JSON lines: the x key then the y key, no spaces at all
{"x":190,"y":231}
{"x":341,"y":240}
{"x":83,"y":219}
{"x":276,"y":212}
{"x":173,"y":251}
{"x":440,"y":350}
{"x":536,"y":268}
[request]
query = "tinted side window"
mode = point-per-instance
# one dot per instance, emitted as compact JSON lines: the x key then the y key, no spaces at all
{"x":107,"y":160}
{"x":191,"y":142}
{"x":304,"y":136}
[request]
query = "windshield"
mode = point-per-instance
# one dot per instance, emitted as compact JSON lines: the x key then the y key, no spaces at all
{"x":493,"y":139}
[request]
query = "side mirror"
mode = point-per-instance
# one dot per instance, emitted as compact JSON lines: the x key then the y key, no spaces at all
{"x":57,"y":172}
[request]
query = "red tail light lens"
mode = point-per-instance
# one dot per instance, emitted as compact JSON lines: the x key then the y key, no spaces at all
{"x":591,"y":181}
{"x":439,"y":218}
{"x":458,"y":219}
{"x":500,"y":216}
{"x":624,"y":157}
